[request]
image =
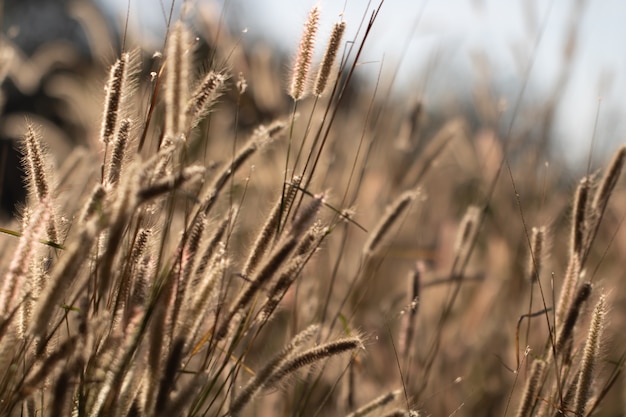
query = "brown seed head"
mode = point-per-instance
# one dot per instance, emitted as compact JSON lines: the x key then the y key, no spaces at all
{"x":305,"y":55}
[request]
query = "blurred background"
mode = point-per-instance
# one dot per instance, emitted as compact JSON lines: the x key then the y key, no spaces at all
{"x":554,"y":65}
{"x":441,"y":50}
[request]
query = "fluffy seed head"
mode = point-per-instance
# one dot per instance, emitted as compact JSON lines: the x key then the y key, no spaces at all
{"x":590,"y":357}
{"x":610,"y":179}
{"x":305,"y":55}
{"x":329,"y":58}
{"x":579,"y":226}
{"x":177,"y":80}
{"x":399,"y":206}
{"x":535,"y":259}
{"x":204,"y":96}
{"x":113,"y":101}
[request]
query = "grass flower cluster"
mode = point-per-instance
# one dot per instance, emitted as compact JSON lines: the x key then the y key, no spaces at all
{"x":173,"y":268}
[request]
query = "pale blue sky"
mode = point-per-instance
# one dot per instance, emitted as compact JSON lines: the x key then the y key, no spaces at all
{"x":455,"y":30}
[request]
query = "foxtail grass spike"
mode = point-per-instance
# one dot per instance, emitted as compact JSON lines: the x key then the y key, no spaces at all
{"x":120,"y":145}
{"x":178,"y":73}
{"x":535,"y":259}
{"x":590,"y":358}
{"x":204,"y":96}
{"x":529,"y":397}
{"x":611,"y":176}
{"x":394,"y":212}
{"x":114,"y":97}
{"x":329,"y":59}
{"x":579,"y":221}
{"x":255,"y":384}
{"x":304,"y":56}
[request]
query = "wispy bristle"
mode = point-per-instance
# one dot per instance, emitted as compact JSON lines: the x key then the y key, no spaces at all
{"x":305,"y":55}
{"x":329,"y":58}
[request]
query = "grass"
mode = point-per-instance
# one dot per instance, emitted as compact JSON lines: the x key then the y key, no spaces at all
{"x":170,"y":267}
